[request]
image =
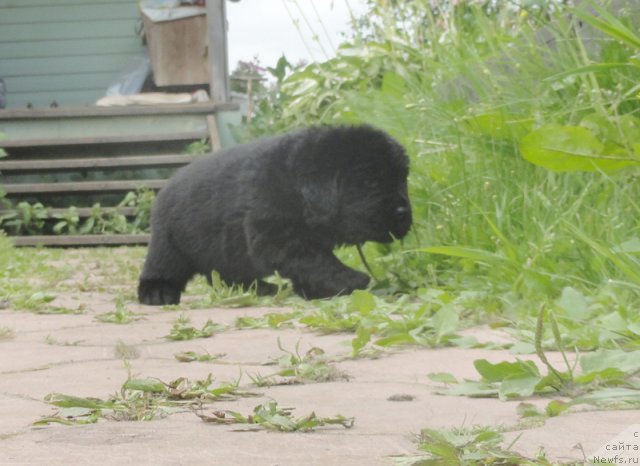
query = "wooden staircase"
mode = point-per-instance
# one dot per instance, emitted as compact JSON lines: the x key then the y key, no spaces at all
{"x":64,"y":157}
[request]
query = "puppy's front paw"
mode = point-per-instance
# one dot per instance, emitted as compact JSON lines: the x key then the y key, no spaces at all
{"x":158,"y":292}
{"x":330,"y":284}
{"x":355,"y":281}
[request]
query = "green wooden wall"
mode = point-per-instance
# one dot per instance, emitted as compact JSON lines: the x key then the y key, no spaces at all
{"x":67,"y":51}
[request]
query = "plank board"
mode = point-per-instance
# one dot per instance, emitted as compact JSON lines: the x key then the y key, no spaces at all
{"x":47,"y":165}
{"x":133,"y":110}
{"x":187,"y":136}
{"x":80,"y":187}
{"x":82,"y":212}
{"x":80,"y":240}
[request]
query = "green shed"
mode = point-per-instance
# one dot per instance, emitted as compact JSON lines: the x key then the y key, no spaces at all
{"x":57,"y":58}
{"x":65,"y":52}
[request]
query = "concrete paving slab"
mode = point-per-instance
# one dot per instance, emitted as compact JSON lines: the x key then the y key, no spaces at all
{"x":77,"y":355}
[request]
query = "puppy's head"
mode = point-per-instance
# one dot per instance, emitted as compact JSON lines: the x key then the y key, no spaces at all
{"x":353,"y":183}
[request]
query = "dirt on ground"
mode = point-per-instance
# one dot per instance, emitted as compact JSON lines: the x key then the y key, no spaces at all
{"x":390,"y":396}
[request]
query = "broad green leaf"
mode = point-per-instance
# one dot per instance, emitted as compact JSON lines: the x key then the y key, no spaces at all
{"x":620,"y":130}
{"x":68,"y":401}
{"x":518,"y":387}
{"x":608,"y":395}
{"x":471,"y":389}
{"x":497,"y":372}
{"x":574,"y":303}
{"x":397,"y":339}
{"x":363,"y":336}
{"x":605,"y":375}
{"x":145,"y":385}
{"x":555,"y":408}
{"x":522,"y":347}
{"x":363,"y":301}
{"x":569,"y":148}
{"x":604,"y":359}
{"x":445,"y":321}
{"x":443,"y":377}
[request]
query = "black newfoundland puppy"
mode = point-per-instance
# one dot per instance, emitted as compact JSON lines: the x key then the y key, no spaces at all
{"x":278,"y":204}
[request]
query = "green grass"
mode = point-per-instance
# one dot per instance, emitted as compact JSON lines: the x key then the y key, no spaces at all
{"x":523,"y":130}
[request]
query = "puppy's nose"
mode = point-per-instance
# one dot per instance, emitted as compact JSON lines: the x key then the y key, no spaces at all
{"x":402,"y":212}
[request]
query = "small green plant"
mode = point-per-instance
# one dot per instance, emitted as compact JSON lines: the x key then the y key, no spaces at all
{"x":142,"y":200}
{"x":182,"y":330}
{"x":68,"y":222}
{"x":479,"y":445}
{"x":606,"y":376}
{"x":313,"y":366}
{"x":272,"y":320}
{"x":120,"y":316}
{"x":198,"y":147}
{"x":26,"y":219}
{"x":270,"y":416}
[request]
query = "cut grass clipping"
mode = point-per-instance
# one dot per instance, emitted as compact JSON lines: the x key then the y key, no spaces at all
{"x":193,"y":356}
{"x":140,"y":400}
{"x":271,"y":417}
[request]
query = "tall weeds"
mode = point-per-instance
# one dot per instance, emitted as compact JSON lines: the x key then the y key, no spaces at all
{"x":462,"y":87}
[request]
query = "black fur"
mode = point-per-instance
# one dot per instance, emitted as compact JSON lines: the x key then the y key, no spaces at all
{"x":278,"y":204}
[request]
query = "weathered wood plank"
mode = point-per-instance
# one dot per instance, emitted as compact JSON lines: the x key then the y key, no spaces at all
{"x":80,"y":187}
{"x":82,"y":212}
{"x":134,"y":110}
{"x":80,"y":240}
{"x":66,"y":13}
{"x":57,"y":164}
{"x":217,"y":50}
{"x":60,"y":31}
{"x":187,"y":136}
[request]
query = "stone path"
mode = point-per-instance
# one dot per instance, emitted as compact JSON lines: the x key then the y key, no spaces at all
{"x":76,"y":355}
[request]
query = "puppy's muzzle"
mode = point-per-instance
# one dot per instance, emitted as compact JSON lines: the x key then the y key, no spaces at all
{"x":403,"y":213}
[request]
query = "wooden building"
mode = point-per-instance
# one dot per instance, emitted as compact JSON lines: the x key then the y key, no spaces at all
{"x":57,"y":58}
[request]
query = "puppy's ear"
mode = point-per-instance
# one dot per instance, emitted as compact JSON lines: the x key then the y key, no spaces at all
{"x":320,"y":199}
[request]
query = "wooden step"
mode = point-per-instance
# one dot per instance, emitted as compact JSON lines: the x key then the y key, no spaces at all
{"x":138,"y":138}
{"x":93,"y":111}
{"x":82,"y":212}
{"x":80,"y":240}
{"x":21,"y":189}
{"x":69,"y":164}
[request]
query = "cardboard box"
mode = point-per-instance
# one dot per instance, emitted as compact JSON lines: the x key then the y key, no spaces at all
{"x":178,"y":50}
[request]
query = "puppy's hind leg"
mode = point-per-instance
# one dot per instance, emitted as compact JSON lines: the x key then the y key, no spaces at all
{"x":165,"y":274}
